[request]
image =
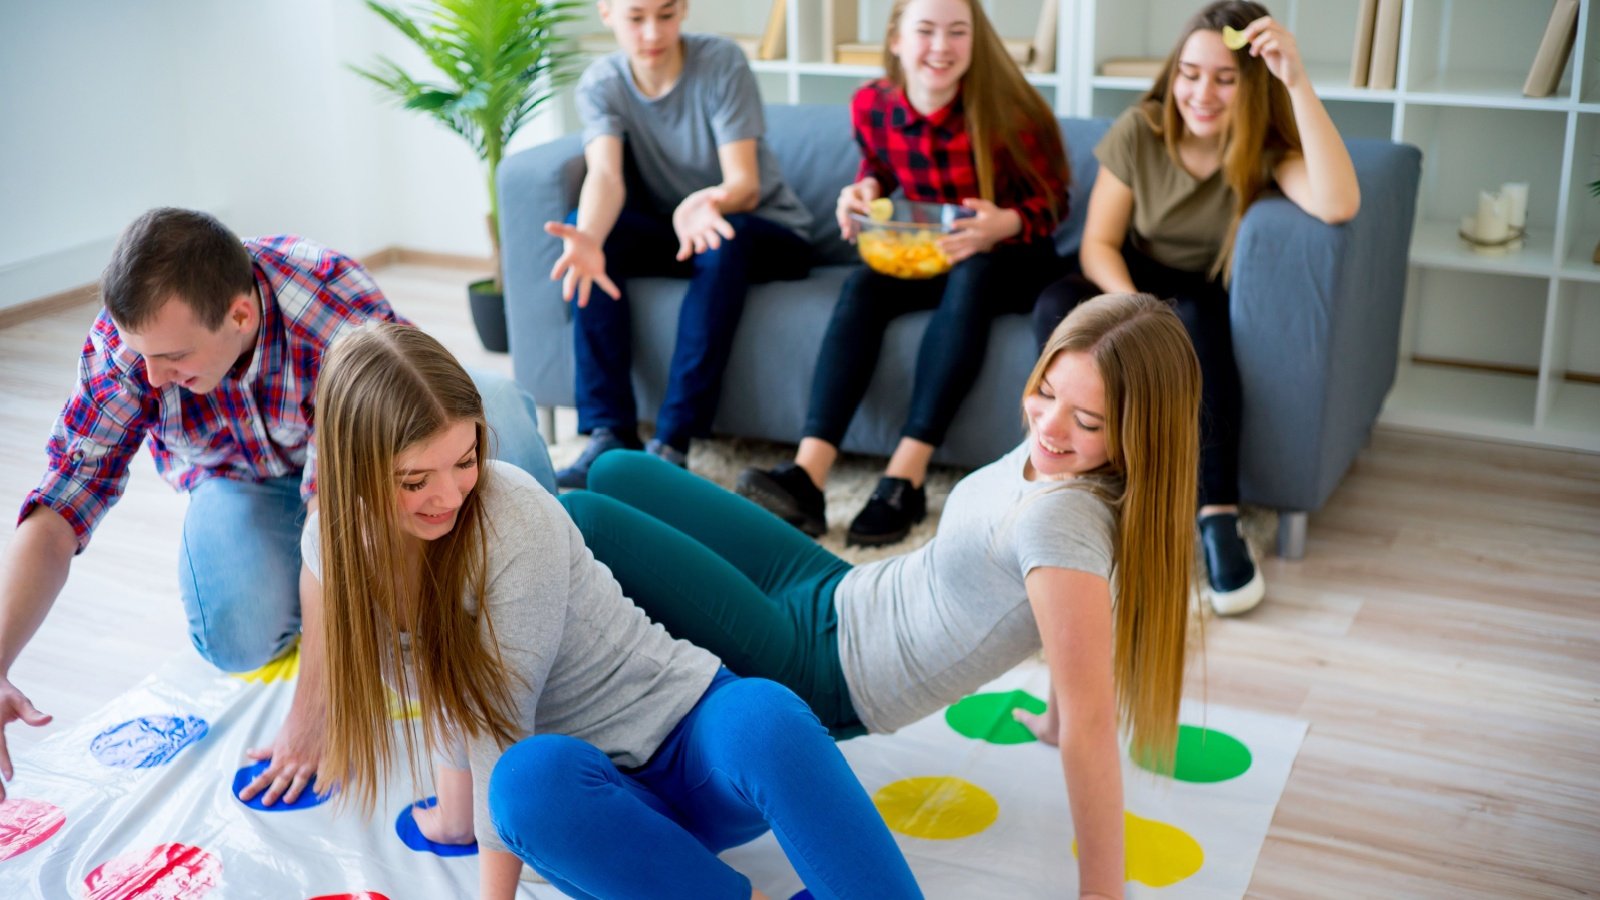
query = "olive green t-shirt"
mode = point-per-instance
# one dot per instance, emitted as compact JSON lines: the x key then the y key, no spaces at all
{"x":1178,"y":220}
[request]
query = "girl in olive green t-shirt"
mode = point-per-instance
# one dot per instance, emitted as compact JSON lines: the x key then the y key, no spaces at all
{"x":1177,"y":172}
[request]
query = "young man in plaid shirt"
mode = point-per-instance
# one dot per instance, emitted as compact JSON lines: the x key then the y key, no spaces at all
{"x":208,"y":349}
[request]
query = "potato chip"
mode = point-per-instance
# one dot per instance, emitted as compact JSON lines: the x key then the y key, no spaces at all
{"x":1233,"y":39}
{"x":880,"y":210}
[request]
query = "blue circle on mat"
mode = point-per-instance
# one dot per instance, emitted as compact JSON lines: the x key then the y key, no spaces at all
{"x":147,"y":741}
{"x":307,"y":799}
{"x":405,"y":827}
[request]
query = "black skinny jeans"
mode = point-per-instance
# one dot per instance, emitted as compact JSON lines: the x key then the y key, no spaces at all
{"x":1202,"y":305}
{"x":965,"y":302}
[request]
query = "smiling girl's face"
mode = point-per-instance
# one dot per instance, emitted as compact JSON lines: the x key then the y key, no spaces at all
{"x":433,"y":478}
{"x":1204,"y":84}
{"x":934,"y":45}
{"x":1067,"y":418}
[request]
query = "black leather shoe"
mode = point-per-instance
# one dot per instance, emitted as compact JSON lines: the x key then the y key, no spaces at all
{"x":887,"y":518}
{"x":787,"y":492}
{"x":601,"y":440}
{"x":1234,"y":581}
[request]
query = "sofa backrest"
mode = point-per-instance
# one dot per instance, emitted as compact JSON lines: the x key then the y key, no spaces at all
{"x":818,"y":155}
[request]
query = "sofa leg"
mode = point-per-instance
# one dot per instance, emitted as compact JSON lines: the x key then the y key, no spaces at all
{"x":1292,"y":534}
{"x":547,"y":424}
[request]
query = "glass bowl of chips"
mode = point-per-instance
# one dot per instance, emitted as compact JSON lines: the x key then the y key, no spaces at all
{"x":900,"y":238}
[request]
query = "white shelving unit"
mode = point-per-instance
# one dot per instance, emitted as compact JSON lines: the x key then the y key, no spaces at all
{"x":1498,"y":347}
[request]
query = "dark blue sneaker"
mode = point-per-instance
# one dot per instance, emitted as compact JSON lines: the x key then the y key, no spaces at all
{"x":601,"y":440}
{"x":671,"y":454}
{"x":1234,"y":581}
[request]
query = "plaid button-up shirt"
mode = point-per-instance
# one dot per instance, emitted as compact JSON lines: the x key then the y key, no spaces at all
{"x":255,"y":425}
{"x":930,"y":158}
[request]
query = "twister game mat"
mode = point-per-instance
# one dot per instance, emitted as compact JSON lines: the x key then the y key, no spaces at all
{"x":139,"y":801}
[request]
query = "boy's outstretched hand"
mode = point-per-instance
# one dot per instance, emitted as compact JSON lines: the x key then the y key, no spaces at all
{"x":582,"y":264}
{"x":699,"y":224}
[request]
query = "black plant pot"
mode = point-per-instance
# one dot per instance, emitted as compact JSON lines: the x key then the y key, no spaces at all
{"x":489,"y":315}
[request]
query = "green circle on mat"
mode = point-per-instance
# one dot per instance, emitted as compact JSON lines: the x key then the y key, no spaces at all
{"x":987,"y":717}
{"x":1206,"y":756}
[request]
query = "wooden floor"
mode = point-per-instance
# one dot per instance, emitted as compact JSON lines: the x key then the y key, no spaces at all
{"x":1442,"y":637}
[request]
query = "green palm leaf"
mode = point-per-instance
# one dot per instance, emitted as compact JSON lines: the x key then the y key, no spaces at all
{"x":497,"y":62}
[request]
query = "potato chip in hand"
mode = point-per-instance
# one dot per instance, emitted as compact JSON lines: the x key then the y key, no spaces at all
{"x":880,"y":210}
{"x":1232,"y":38}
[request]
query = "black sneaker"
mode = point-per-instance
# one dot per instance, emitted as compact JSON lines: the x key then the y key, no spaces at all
{"x":601,"y":440}
{"x":887,"y":518}
{"x":787,"y":492}
{"x":1235,"y":582}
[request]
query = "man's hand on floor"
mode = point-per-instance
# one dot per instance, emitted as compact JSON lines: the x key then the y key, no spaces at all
{"x":14,"y":706}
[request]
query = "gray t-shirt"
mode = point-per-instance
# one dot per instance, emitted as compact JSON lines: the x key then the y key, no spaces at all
{"x":596,"y":667}
{"x":673,"y":138}
{"x":919,"y":630}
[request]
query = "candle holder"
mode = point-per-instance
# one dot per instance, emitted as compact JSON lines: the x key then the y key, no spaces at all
{"x":1510,"y":243}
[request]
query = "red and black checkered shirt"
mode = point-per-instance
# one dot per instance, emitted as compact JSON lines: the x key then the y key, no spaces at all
{"x":930,"y":158}
{"x":255,"y":425}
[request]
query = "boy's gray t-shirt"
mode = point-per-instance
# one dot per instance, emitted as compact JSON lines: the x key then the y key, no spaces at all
{"x":920,"y":630}
{"x":673,"y":139}
{"x":584,"y":660}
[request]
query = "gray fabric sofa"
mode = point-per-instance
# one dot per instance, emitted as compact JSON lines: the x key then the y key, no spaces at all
{"x":1316,"y":316}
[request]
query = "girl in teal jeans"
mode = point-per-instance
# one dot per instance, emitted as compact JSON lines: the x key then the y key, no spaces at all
{"x":1029,"y":549}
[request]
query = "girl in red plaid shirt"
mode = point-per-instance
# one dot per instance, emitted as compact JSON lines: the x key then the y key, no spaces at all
{"x":953,"y":121}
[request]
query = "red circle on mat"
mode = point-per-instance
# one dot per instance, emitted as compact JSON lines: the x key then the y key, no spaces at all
{"x":364,"y":895}
{"x":25,"y":824}
{"x":164,"y":872}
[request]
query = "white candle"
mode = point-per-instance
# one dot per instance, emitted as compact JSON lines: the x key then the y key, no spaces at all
{"x":1516,"y":196}
{"x":1491,"y":220}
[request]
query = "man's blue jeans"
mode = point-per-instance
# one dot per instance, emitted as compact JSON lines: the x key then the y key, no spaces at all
{"x":239,"y":561}
{"x":748,"y":757}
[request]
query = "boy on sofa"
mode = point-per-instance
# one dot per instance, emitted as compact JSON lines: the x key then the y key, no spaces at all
{"x":702,"y":198}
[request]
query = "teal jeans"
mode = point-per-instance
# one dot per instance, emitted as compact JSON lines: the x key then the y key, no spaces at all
{"x":720,"y":572}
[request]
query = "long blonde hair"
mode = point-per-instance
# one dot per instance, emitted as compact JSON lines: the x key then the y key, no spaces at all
{"x":994,"y":96}
{"x":1261,"y":118}
{"x":384,"y":387}
{"x":1152,"y":383}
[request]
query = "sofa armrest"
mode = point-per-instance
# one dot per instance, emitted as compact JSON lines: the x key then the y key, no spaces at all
{"x":1316,"y":324}
{"x":538,"y":185}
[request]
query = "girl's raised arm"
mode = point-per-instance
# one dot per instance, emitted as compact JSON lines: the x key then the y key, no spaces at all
{"x":1073,"y":610}
{"x":1321,"y":180}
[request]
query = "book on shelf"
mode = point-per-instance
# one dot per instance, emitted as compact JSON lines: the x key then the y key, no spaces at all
{"x":1361,"y":54}
{"x":1132,"y":67}
{"x":1385,"y":45}
{"x":1554,"y":49}
{"x":773,"y":38}
{"x":1044,"y":38}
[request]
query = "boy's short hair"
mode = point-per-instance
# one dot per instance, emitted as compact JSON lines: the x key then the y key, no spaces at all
{"x":182,"y":253}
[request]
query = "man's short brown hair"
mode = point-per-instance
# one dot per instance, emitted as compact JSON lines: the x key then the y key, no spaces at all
{"x":180,"y":253}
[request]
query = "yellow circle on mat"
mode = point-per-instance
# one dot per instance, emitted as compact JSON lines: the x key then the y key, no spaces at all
{"x":284,"y":668}
{"x":1158,"y":854}
{"x":400,"y":708}
{"x":939,"y":808}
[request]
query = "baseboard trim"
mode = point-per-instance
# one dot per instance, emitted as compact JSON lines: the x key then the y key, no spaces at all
{"x":1500,"y":368}
{"x":388,"y":256}
{"x":49,"y":304}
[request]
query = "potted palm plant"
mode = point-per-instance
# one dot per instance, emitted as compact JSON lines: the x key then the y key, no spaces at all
{"x":497,"y":62}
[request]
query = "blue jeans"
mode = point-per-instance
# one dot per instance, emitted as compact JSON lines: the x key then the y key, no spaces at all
{"x":239,"y":560}
{"x":749,"y":756}
{"x":643,"y":244}
{"x":965,"y":303}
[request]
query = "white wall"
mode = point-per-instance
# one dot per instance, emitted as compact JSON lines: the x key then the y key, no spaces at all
{"x":246,"y":110}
